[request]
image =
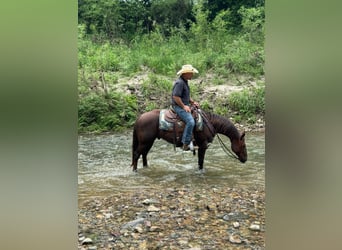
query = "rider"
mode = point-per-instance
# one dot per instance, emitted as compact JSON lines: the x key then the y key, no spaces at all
{"x":181,"y":101}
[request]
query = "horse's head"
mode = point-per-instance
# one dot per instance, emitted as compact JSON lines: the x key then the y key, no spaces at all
{"x":239,"y":148}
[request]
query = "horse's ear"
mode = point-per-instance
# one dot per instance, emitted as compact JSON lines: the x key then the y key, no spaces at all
{"x":242,"y":135}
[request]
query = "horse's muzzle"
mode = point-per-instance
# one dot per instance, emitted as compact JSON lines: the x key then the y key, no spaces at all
{"x":243,"y":160}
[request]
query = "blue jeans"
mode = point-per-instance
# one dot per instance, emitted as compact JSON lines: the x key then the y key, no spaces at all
{"x":189,"y":124}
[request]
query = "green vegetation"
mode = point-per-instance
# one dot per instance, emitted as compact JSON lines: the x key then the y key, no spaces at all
{"x":248,"y":103}
{"x":119,"y":40}
{"x":106,"y":112}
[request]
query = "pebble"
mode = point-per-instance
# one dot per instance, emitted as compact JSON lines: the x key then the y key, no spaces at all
{"x":149,"y":201}
{"x":152,"y":208}
{"x":148,"y":223}
{"x":133,"y":223}
{"x":87,"y":241}
{"x":226,"y":217}
{"x":146,"y":202}
{"x":236,"y":224}
{"x":108,"y":215}
{"x":143,"y":245}
{"x":254,"y":227}
{"x":138,"y":229}
{"x":234,"y":238}
{"x":155,"y":229}
{"x":81,"y":238}
{"x":186,"y":217}
{"x":183,"y":242}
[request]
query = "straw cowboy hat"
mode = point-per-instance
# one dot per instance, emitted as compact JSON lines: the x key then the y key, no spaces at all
{"x":187,"y":69}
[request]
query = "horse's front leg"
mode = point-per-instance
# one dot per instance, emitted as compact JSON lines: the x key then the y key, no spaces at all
{"x":144,"y":157}
{"x":201,"y":154}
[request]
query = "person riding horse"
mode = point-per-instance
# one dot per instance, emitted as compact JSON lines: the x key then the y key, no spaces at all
{"x":181,"y":101}
{"x":147,"y":126}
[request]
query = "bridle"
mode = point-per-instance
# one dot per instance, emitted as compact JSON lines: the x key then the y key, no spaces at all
{"x":212,"y":131}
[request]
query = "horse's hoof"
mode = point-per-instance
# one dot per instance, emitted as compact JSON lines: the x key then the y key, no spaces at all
{"x":201,"y":171}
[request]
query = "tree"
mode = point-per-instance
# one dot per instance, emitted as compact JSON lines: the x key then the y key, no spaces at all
{"x":215,"y":6}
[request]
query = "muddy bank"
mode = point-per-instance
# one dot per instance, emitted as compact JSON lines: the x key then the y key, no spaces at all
{"x":175,"y":217}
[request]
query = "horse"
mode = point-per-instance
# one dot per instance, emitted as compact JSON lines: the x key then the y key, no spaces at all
{"x":146,"y":130}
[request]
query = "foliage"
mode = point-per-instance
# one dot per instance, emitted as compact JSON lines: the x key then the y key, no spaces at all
{"x":158,"y":91}
{"x":253,"y":23}
{"x":106,"y":112}
{"x":216,"y":6}
{"x":124,"y":19}
{"x":119,"y":19}
{"x":248,"y":102}
{"x":118,"y":39}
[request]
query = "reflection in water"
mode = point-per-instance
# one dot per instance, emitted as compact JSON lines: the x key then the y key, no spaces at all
{"x":104,"y":165}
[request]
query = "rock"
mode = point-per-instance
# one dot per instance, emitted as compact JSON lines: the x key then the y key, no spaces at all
{"x":149,"y":201}
{"x":138,"y":229}
{"x":108,"y":215}
{"x":152,"y":208}
{"x":226,"y":217}
{"x":99,"y":216}
{"x":87,"y":241}
{"x":254,"y":227}
{"x":155,"y":229}
{"x":183,"y":242}
{"x":174,"y":235}
{"x":146,"y":202}
{"x":148,"y":223}
{"x":234,"y":238}
{"x":135,"y":236}
{"x":236,"y":224}
{"x":143,"y":245}
{"x":133,"y":223}
{"x":179,"y":220}
{"x":81,"y":238}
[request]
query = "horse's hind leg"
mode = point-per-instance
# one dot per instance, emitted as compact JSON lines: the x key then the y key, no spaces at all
{"x":144,"y":154}
{"x":135,"y":159}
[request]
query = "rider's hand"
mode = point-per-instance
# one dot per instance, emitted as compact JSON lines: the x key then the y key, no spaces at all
{"x":187,"y":108}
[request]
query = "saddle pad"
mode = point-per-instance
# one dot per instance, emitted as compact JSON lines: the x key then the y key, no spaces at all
{"x":166,"y":124}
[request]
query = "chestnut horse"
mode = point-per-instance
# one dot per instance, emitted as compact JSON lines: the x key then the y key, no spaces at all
{"x":146,"y":130}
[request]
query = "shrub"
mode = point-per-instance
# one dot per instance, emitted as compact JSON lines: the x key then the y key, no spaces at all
{"x":248,"y":102}
{"x":106,"y":112}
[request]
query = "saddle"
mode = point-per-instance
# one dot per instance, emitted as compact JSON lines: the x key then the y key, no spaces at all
{"x":170,"y":121}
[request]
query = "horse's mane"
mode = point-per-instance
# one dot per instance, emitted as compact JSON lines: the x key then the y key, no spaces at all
{"x":223,"y":125}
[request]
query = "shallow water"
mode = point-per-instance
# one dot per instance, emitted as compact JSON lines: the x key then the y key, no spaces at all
{"x":104,"y":165}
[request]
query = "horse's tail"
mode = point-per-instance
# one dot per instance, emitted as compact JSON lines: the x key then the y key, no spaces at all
{"x":135,"y":144}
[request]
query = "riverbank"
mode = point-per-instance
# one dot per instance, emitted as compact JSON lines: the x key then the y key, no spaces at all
{"x":177,"y":217}
{"x":112,"y":105}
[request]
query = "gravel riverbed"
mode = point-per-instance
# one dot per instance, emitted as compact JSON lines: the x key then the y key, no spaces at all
{"x":174,"y":217}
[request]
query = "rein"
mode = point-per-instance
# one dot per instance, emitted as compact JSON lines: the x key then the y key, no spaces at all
{"x":212,"y":130}
{"x":226,"y":149}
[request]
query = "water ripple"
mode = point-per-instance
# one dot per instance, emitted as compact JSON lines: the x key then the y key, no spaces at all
{"x":104,"y":165}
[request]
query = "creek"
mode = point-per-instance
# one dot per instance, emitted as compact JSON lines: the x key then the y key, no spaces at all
{"x":104,"y":165}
